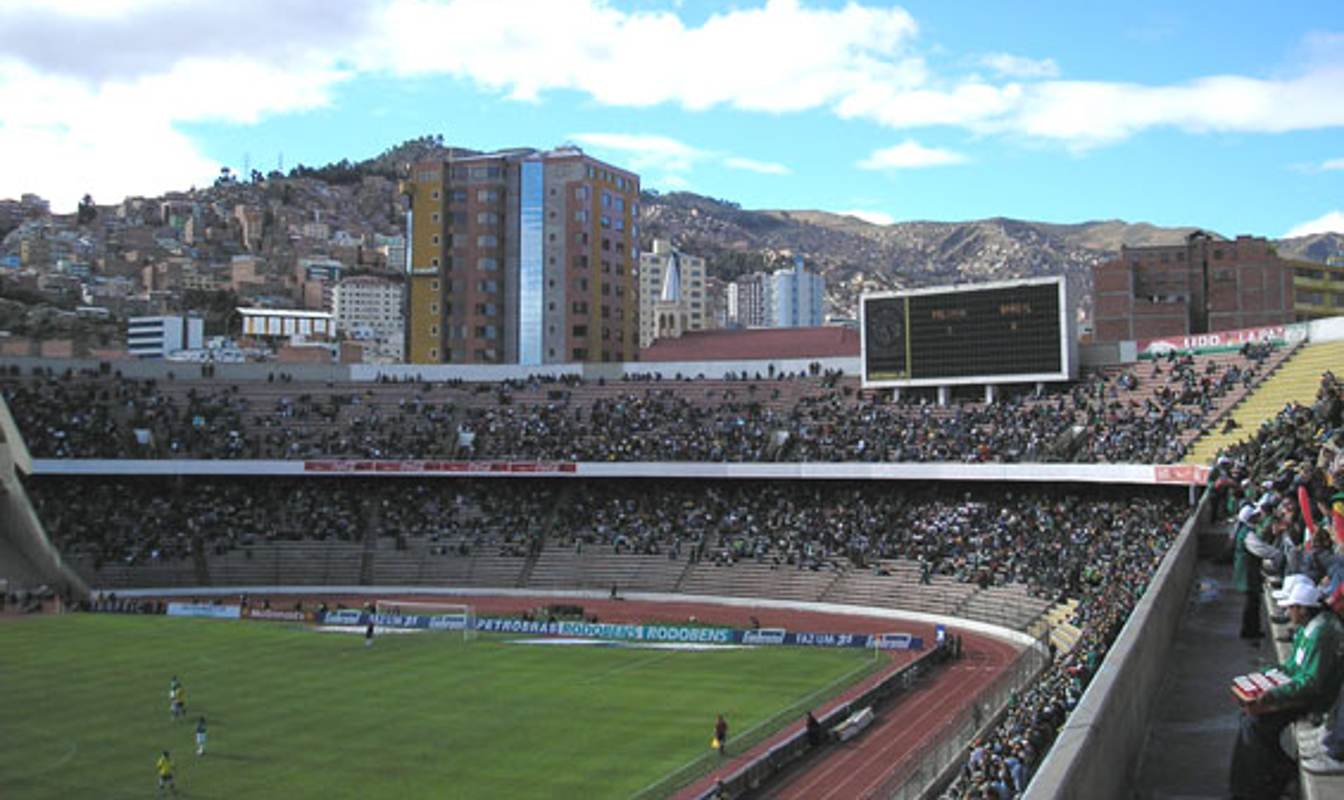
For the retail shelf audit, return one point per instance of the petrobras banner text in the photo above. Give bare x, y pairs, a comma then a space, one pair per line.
530, 627
203, 610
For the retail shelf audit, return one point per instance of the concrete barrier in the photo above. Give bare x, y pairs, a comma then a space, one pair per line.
27, 557
1103, 737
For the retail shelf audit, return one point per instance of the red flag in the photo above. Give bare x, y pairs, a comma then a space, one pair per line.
1304, 503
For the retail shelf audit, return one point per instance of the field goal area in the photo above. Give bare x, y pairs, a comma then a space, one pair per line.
442, 616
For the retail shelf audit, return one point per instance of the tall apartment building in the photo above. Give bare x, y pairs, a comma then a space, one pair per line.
794, 299
370, 309
1201, 285
522, 257
785, 298
672, 293
747, 300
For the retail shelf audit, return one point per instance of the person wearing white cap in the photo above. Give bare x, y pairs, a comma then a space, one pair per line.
1315, 670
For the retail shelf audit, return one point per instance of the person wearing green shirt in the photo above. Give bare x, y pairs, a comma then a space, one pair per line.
1315, 668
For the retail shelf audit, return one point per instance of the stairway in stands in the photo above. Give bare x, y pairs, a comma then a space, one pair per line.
1296, 380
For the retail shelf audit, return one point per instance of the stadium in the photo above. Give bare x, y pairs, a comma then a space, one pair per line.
966, 553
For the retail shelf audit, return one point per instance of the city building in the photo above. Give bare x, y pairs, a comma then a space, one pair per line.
156, 337
393, 250
369, 310
794, 297
287, 323
785, 298
1318, 289
747, 301
316, 277
1203, 284
672, 296
522, 257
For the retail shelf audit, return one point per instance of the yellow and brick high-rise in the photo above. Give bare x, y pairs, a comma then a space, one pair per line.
522, 257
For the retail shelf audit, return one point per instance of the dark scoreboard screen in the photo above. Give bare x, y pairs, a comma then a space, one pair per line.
1004, 331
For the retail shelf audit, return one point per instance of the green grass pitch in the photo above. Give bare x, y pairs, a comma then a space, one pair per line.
296, 714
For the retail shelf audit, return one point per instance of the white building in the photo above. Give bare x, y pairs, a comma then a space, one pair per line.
794, 297
156, 337
672, 298
372, 310
273, 323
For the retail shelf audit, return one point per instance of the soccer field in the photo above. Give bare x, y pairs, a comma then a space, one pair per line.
297, 714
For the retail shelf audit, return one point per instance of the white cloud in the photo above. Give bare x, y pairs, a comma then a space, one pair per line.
1011, 66
673, 182
652, 152
875, 217
103, 117
1331, 164
910, 155
645, 151
1088, 113
752, 165
1331, 222
104, 86
781, 56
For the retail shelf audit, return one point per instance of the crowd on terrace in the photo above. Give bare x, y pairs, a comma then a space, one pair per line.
1283, 493
1059, 544
1142, 413
146, 520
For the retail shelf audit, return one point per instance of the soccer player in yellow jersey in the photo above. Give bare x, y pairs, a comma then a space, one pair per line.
179, 707
165, 767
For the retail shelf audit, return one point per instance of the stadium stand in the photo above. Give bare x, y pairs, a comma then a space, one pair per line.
1144, 413
1294, 380
1071, 560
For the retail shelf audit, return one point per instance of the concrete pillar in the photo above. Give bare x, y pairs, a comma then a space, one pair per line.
989, 393
944, 395
1040, 388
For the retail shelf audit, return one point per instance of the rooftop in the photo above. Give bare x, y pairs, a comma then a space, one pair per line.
755, 343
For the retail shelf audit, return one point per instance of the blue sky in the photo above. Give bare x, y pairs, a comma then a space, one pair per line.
1227, 115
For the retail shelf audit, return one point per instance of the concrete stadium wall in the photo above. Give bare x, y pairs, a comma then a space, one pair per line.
1103, 737
1017, 638
27, 557
1136, 474
486, 373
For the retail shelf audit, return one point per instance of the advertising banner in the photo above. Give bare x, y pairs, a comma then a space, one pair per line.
278, 616
636, 633
416, 467
1220, 340
203, 610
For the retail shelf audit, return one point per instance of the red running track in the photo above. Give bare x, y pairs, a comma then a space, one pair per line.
859, 767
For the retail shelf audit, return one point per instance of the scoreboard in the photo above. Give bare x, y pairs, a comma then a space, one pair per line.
1004, 332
